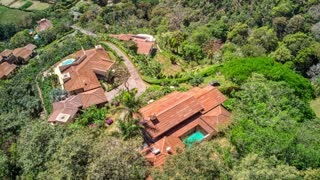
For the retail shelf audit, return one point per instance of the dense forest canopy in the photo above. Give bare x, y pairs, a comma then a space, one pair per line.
266, 54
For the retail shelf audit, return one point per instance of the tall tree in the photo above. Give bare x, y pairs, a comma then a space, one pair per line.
257, 167
207, 160
113, 158
36, 146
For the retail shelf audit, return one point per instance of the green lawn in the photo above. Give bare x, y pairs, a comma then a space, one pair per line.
315, 105
8, 15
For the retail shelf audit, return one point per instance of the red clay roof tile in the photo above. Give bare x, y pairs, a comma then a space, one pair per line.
169, 111
72, 104
24, 52
83, 75
173, 116
6, 53
144, 46
167, 146
43, 24
6, 69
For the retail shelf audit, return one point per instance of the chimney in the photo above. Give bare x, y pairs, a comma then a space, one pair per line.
99, 47
168, 150
153, 116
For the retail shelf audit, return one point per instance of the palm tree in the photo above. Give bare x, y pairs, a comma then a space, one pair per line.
129, 114
130, 106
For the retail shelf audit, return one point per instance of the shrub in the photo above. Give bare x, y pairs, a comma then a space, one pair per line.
26, 5
239, 70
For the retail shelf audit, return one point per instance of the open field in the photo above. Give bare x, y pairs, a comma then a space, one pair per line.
168, 68
6, 2
36, 5
17, 4
315, 105
8, 15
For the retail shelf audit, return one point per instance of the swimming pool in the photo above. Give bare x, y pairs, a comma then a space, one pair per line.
195, 137
67, 62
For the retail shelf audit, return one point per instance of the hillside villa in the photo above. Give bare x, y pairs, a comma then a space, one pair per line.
179, 119
9, 59
145, 43
65, 111
79, 75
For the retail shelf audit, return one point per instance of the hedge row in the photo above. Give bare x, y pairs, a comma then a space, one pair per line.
185, 77
26, 5
107, 48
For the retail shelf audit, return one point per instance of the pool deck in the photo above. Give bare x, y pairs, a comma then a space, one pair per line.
58, 73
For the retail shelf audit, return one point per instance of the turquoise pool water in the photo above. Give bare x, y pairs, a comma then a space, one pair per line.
67, 62
195, 137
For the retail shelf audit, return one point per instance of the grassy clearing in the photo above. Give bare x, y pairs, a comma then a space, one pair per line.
8, 15
17, 4
168, 68
315, 105
6, 2
37, 5
224, 84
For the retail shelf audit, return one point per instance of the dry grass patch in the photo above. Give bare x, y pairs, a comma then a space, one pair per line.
6, 2
17, 4
37, 5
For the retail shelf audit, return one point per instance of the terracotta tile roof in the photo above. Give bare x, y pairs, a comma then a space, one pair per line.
74, 103
209, 97
70, 106
166, 146
217, 118
83, 75
1, 58
6, 53
43, 24
6, 69
93, 97
144, 46
183, 128
24, 52
122, 37
172, 118
30, 46
169, 111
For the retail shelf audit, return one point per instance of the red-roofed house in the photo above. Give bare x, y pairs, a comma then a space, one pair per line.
24, 53
6, 53
181, 118
145, 43
82, 75
43, 24
65, 111
6, 69
80, 79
